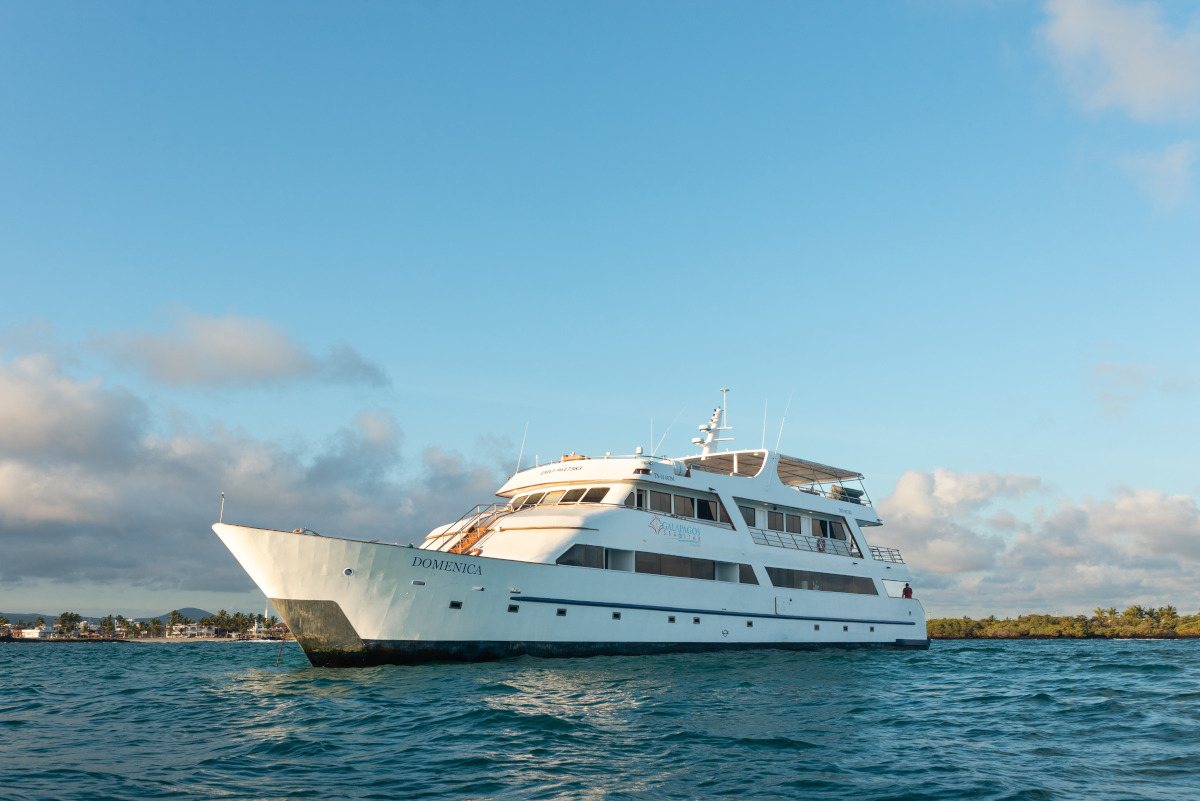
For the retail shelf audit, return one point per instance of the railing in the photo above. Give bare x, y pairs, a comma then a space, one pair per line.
886, 555
470, 528
800, 542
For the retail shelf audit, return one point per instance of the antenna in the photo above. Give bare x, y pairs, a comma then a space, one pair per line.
712, 428
522, 453
785, 411
668, 431
764, 442
221, 519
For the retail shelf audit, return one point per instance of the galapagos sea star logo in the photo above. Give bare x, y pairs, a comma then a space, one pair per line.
675, 530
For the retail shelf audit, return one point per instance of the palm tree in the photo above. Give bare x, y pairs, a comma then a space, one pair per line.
1167, 612
1100, 612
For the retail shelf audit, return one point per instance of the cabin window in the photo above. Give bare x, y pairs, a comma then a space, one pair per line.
775, 521
669, 565
636, 499
724, 514
824, 582
793, 524
820, 528
631, 499
594, 495
551, 498
746, 575
685, 506
747, 514
534, 499
660, 501
573, 496
837, 530
706, 510
519, 502
582, 556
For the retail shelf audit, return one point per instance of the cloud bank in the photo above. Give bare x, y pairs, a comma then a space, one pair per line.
207, 351
90, 492
971, 555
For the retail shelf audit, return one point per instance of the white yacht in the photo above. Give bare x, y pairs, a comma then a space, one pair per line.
733, 549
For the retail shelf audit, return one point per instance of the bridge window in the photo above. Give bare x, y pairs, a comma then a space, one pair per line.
775, 521
594, 495
573, 496
552, 498
705, 509
747, 514
685, 506
669, 565
746, 575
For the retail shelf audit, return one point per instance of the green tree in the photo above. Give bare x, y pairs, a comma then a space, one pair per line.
157, 629
1135, 612
68, 622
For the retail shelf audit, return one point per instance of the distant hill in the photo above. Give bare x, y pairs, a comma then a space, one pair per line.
29, 617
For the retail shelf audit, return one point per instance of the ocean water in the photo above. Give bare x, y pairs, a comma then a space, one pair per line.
964, 720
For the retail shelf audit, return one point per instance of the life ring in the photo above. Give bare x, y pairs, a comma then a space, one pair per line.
821, 544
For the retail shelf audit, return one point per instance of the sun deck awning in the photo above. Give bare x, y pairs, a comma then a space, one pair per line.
798, 472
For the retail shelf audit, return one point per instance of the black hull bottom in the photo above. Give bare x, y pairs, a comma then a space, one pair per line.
413, 652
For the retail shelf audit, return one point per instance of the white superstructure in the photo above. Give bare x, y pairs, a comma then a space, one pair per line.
609, 555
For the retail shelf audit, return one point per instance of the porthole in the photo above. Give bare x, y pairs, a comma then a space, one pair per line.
695, 620
513, 608
670, 618
616, 615
456, 604
562, 613
816, 627
872, 628
749, 624
348, 571
845, 628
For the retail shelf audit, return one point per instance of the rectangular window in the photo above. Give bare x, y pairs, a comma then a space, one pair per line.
824, 582
561, 613
724, 514
793, 524
551, 498
706, 510
582, 556
595, 495
775, 521
572, 496
646, 562
747, 515
660, 501
820, 528
670, 618
837, 530
684, 506
513, 608
746, 575
616, 615
456, 604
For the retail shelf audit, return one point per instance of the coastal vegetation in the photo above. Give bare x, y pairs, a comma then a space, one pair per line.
1141, 622
222, 624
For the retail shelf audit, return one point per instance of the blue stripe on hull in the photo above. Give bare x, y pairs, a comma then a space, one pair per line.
687, 610
412, 652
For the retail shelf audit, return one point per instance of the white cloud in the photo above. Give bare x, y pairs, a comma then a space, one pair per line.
230, 350
1139, 546
1118, 385
1124, 56
1165, 176
88, 491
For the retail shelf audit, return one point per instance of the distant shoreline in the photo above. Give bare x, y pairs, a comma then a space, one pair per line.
94, 640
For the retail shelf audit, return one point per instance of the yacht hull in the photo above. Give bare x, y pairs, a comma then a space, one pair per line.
351, 603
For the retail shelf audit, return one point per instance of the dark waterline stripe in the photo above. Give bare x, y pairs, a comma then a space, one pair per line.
616, 605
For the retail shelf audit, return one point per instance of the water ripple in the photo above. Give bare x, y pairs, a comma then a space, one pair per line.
965, 720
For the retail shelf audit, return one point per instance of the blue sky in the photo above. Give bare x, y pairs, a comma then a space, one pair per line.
961, 236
